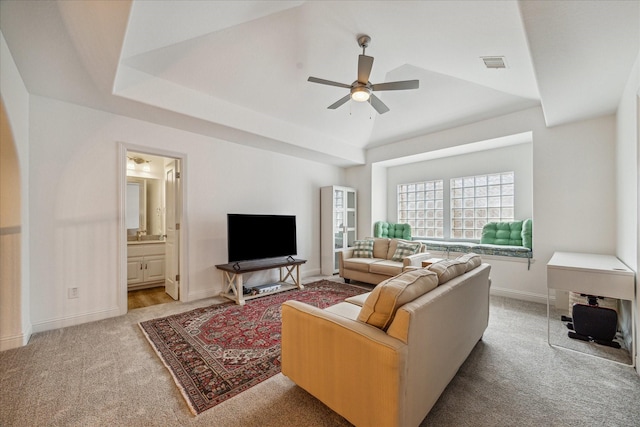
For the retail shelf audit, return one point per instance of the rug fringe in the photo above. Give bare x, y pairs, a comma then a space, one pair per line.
175, 380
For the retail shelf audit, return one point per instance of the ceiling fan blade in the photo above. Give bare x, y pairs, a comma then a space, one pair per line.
328, 82
406, 84
339, 102
380, 107
364, 68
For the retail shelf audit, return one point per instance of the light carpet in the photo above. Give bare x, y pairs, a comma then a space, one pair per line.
105, 374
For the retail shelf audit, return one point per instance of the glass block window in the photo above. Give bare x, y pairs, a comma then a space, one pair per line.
421, 205
476, 200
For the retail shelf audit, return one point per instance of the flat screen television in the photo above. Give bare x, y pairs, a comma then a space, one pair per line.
251, 237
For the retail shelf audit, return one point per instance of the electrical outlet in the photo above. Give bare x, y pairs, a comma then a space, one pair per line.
72, 292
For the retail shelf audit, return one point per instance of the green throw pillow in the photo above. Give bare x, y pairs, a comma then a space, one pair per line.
403, 250
527, 233
363, 249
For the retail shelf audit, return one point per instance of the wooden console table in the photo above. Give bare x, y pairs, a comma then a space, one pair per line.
233, 271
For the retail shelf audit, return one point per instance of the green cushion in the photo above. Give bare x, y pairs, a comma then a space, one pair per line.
392, 230
502, 233
527, 233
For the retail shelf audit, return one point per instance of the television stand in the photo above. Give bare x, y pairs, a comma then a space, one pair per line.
233, 271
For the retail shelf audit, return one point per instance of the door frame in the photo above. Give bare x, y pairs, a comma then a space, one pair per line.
123, 148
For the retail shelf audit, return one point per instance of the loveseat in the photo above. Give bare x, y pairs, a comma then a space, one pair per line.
383, 358
373, 260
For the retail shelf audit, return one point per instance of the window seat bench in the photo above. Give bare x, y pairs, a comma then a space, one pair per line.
509, 239
478, 248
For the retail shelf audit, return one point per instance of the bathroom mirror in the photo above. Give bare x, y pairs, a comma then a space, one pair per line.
144, 206
135, 205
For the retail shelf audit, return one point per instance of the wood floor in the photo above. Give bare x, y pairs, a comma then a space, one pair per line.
147, 297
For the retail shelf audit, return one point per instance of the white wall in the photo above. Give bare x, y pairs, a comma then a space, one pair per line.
627, 175
363, 179
75, 205
573, 188
16, 101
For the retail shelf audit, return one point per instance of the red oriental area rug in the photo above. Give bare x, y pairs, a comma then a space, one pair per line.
216, 352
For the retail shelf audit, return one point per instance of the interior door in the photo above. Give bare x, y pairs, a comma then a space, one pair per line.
172, 245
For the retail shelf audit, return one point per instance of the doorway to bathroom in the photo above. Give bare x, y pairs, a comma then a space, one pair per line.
153, 207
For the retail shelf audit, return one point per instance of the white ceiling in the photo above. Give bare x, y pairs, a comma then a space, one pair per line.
238, 70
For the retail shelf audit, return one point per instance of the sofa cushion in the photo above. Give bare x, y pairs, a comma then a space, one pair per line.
380, 306
399, 249
344, 309
471, 260
363, 249
358, 299
386, 267
380, 247
359, 264
448, 269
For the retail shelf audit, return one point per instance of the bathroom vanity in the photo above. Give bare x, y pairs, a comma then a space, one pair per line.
145, 264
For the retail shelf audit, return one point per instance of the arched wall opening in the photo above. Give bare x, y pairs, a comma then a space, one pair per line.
10, 238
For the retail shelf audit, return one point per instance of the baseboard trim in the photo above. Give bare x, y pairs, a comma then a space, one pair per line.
77, 319
521, 295
208, 293
309, 273
14, 341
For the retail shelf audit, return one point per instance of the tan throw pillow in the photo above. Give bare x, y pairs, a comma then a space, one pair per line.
471, 260
380, 306
380, 247
448, 269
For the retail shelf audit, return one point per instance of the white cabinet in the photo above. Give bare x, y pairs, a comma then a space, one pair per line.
338, 207
145, 265
135, 270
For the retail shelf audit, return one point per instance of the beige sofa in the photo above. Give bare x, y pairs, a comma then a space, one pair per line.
379, 370
381, 265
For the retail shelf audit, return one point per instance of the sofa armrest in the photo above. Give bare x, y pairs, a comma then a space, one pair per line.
342, 255
354, 368
346, 254
415, 260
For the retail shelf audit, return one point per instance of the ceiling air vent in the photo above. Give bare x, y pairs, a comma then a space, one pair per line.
494, 61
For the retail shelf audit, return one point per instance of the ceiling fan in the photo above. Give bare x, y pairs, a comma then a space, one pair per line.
360, 90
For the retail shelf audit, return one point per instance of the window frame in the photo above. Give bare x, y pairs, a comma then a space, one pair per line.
476, 200
503, 194
426, 222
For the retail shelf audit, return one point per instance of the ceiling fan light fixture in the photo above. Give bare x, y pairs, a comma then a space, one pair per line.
361, 89
360, 94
